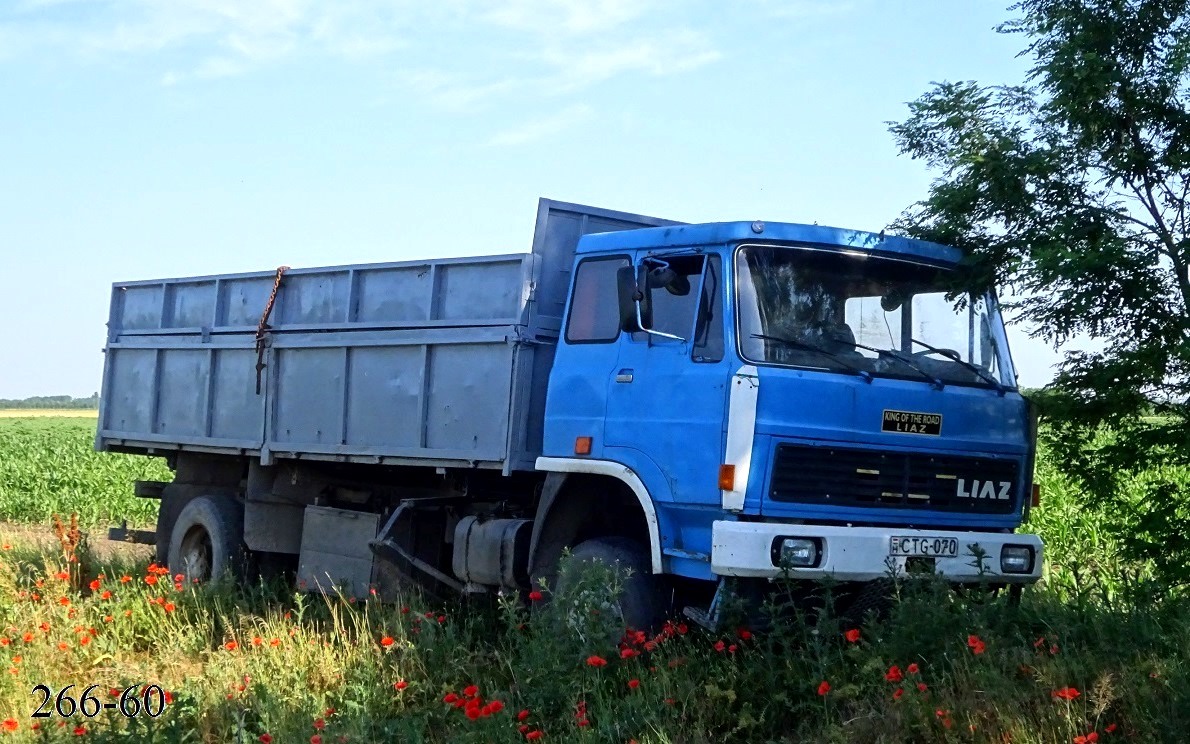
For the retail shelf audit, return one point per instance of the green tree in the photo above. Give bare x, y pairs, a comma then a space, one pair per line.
1071, 189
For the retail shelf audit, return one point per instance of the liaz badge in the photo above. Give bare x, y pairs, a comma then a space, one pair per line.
908, 422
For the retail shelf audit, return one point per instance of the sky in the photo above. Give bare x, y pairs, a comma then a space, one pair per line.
145, 139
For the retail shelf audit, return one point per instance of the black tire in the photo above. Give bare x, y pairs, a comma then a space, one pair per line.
642, 605
207, 539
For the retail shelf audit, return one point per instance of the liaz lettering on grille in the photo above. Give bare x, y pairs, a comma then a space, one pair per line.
857, 477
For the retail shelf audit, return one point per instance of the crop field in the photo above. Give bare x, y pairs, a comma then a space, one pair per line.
1082, 659
48, 413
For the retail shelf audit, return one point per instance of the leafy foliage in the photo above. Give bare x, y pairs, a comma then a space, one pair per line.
1071, 189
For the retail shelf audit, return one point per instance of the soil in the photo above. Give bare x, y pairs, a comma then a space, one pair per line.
42, 536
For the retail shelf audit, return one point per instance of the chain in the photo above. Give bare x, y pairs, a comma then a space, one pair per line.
262, 329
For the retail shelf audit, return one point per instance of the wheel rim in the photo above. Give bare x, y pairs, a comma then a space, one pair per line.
197, 554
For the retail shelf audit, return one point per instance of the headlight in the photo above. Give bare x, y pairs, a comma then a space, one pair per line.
797, 552
1016, 559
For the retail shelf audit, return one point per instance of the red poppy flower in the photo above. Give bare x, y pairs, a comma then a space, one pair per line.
534, 595
471, 690
400, 684
10, 724
493, 707
106, 595
275, 642
266, 739
720, 646
151, 580
894, 674
921, 687
1066, 693
62, 575
976, 644
744, 634
386, 641
533, 735
473, 713
1109, 728
596, 661
633, 683
628, 653
912, 668
316, 739
824, 687
450, 697
852, 635
80, 730
523, 715
319, 724
94, 585
899, 693
232, 646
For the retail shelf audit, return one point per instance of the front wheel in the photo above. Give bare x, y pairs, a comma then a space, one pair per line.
641, 603
207, 539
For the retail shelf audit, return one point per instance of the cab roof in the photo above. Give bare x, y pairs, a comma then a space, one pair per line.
721, 233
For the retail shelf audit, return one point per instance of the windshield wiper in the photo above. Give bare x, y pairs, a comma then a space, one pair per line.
803, 346
954, 357
934, 381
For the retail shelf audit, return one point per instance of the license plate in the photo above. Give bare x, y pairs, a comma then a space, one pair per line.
926, 547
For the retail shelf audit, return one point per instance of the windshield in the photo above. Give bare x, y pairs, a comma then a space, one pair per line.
857, 313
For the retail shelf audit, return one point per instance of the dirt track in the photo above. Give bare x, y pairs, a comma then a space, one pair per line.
42, 536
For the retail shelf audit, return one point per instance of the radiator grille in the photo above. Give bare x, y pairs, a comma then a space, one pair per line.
927, 482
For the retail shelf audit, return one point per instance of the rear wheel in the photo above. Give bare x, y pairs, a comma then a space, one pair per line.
208, 539
641, 604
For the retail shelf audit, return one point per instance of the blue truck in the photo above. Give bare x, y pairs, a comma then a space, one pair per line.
707, 407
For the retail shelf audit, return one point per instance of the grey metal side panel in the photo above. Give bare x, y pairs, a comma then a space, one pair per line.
444, 360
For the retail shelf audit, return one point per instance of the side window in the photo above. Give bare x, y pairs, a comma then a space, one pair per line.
674, 313
708, 334
594, 307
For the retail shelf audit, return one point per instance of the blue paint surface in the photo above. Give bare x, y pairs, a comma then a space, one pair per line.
669, 423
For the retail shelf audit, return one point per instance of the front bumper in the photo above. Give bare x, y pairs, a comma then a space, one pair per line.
862, 553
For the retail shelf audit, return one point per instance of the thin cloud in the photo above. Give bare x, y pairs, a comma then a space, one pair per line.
538, 47
572, 17
540, 129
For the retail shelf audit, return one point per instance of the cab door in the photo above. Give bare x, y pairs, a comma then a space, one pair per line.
576, 402
667, 398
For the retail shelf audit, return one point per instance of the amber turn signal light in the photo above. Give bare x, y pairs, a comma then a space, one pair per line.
1036, 501
727, 477
582, 445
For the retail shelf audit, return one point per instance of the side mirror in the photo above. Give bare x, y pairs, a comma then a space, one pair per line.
636, 307
631, 289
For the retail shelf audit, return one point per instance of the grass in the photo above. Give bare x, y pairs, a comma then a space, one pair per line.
242, 663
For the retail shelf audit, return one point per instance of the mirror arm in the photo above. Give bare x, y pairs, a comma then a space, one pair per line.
640, 324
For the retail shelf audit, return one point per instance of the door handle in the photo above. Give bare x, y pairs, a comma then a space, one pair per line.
624, 375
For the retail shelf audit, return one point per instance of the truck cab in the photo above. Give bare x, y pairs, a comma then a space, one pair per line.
797, 401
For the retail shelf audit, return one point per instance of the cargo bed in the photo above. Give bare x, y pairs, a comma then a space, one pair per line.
437, 362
